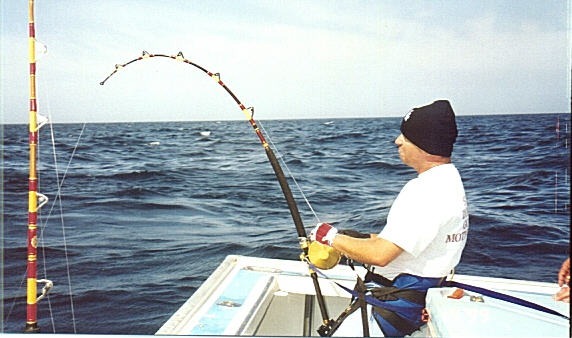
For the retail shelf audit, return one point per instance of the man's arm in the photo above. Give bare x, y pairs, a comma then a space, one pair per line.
564, 281
374, 250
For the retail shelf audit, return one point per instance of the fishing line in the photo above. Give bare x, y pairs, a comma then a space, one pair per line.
41, 237
59, 198
44, 262
288, 170
59, 185
15, 297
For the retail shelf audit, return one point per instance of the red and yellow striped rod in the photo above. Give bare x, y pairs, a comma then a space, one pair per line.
31, 311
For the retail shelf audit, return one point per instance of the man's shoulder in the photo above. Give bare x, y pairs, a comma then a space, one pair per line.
430, 190
441, 174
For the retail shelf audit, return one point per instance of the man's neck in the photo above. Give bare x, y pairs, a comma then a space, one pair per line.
432, 161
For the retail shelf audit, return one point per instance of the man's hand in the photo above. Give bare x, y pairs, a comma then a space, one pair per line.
563, 295
564, 273
324, 233
564, 282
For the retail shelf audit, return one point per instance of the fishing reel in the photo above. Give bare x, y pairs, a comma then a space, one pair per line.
323, 256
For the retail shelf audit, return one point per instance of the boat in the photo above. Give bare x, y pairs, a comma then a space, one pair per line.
251, 296
274, 297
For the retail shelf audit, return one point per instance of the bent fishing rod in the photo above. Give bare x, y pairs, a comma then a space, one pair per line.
249, 114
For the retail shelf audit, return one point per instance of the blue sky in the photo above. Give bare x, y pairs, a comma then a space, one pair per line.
288, 59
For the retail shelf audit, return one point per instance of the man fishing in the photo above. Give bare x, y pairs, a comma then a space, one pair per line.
426, 227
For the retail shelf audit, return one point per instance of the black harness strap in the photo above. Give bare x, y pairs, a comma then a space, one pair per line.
361, 296
379, 279
327, 332
388, 292
361, 289
395, 320
393, 293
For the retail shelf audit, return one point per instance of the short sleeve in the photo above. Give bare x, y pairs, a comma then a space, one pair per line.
411, 222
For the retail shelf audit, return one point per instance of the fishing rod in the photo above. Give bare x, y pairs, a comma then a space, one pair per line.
292, 206
31, 307
35, 199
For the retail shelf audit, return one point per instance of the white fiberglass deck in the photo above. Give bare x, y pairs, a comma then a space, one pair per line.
257, 296
271, 297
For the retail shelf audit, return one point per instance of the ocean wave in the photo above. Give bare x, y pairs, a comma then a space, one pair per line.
146, 225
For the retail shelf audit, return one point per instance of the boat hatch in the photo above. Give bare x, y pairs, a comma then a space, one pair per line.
474, 315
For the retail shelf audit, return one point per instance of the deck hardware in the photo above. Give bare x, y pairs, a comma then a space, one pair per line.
229, 303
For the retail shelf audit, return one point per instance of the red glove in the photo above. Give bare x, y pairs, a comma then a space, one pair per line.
324, 233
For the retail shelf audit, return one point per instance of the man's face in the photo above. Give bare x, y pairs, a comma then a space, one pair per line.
409, 153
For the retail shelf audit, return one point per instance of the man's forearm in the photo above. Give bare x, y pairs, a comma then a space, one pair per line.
374, 250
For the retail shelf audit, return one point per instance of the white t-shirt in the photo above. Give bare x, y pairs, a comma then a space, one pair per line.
429, 220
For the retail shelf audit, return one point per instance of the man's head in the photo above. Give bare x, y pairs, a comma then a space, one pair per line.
427, 134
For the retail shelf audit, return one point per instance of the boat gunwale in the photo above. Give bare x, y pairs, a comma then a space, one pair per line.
193, 305
286, 269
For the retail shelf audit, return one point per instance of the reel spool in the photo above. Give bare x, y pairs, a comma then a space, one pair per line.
323, 256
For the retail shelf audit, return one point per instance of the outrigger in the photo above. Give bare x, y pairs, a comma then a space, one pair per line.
35, 199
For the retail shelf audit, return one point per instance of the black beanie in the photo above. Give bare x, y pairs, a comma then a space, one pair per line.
431, 128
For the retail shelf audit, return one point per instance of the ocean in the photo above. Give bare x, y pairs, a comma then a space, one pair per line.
149, 210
